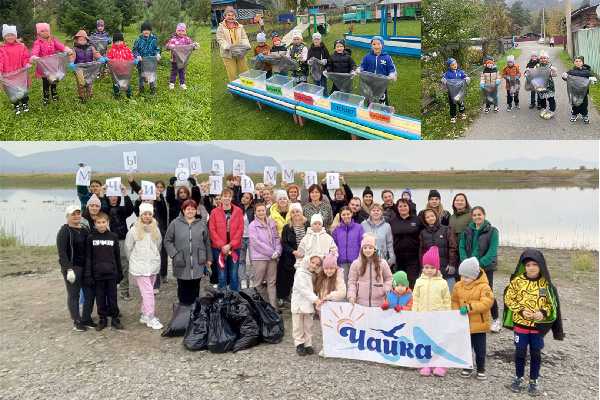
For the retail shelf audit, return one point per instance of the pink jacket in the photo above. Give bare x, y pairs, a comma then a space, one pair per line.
13, 57
178, 41
264, 240
44, 48
369, 289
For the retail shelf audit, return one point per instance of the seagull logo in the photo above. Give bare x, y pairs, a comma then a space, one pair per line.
391, 333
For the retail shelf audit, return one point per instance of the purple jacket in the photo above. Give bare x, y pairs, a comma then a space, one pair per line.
348, 238
264, 240
83, 54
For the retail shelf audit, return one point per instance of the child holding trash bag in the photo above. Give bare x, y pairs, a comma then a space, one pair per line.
380, 63
260, 50
85, 53
146, 46
318, 58
546, 97
579, 77
119, 51
143, 244
181, 46
14, 62
277, 48
341, 62
489, 83
298, 52
304, 300
455, 81
512, 76
46, 45
533, 61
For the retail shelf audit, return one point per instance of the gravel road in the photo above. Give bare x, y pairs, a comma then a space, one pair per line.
41, 358
525, 123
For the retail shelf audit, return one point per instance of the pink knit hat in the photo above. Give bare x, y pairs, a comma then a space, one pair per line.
94, 200
432, 257
42, 26
368, 238
330, 261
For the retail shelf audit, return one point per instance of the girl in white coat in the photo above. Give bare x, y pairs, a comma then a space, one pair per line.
143, 247
304, 300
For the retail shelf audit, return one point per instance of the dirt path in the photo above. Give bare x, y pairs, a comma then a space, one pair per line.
43, 359
527, 124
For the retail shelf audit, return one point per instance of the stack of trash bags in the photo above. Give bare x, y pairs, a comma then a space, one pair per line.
223, 320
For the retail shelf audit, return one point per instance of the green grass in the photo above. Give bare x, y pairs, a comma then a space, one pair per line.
237, 118
436, 122
7, 239
416, 179
175, 115
583, 262
594, 95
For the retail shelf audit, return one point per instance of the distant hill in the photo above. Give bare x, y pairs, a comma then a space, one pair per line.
541, 163
346, 166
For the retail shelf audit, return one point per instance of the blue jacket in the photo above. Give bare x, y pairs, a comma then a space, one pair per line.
404, 301
381, 64
146, 46
458, 74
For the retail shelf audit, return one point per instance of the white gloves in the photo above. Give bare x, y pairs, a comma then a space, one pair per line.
324, 61
593, 79
157, 56
564, 75
70, 276
274, 256
393, 76
468, 80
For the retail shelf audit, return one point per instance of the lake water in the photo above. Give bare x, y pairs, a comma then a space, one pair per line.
547, 217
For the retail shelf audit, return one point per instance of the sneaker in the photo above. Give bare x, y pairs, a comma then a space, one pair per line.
54, 97
509, 108
496, 109
102, 323
163, 279
45, 101
154, 323
116, 323
586, 120
125, 296
309, 350
79, 327
425, 371
463, 116
171, 86
517, 107
481, 376
573, 118
144, 319
89, 324
453, 120
439, 371
517, 384
17, 109
466, 373
539, 107
25, 107
496, 326
533, 388
550, 114
300, 350
156, 291
486, 110
183, 86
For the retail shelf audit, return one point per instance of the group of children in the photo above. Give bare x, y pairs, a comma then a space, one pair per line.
531, 301
14, 57
317, 56
543, 98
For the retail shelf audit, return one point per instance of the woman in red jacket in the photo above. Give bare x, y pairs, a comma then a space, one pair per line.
226, 227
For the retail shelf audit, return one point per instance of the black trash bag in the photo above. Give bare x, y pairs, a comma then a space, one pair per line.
456, 89
513, 84
343, 81
316, 69
269, 321
196, 335
373, 86
577, 89
221, 336
179, 321
537, 79
243, 319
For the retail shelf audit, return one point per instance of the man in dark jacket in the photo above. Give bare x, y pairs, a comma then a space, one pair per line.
118, 215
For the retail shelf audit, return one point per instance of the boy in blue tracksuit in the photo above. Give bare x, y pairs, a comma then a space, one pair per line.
453, 72
146, 45
379, 62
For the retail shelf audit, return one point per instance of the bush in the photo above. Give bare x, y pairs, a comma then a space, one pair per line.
583, 262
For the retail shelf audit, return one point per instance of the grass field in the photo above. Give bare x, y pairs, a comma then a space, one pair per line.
594, 95
236, 118
436, 123
170, 115
414, 179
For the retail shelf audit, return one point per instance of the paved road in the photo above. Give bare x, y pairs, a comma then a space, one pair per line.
527, 124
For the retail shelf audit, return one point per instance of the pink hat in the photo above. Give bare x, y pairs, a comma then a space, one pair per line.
94, 200
181, 27
42, 26
432, 257
330, 261
369, 239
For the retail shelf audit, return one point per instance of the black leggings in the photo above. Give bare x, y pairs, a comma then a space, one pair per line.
582, 108
454, 106
551, 103
511, 97
48, 88
188, 290
479, 347
490, 277
73, 300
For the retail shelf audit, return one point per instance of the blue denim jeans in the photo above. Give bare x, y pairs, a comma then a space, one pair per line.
229, 274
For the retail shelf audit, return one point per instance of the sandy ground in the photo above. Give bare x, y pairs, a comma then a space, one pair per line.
42, 358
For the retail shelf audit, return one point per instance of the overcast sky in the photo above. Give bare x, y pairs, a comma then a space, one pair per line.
434, 154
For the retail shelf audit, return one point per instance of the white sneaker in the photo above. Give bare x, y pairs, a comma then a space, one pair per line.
496, 326
243, 285
154, 323
321, 354
144, 319
171, 86
183, 86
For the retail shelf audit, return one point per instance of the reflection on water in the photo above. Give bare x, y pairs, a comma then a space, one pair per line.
557, 218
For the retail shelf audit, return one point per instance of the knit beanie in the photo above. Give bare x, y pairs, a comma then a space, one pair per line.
316, 35
434, 193
94, 200
378, 38
71, 209
400, 278
181, 27
316, 218
450, 61
146, 207
510, 58
296, 34
407, 190
432, 257
118, 37
295, 206
469, 268
146, 26
368, 239
8, 30
367, 191
281, 194
261, 37
42, 26
330, 261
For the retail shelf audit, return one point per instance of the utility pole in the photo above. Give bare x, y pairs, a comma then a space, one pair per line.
543, 25
568, 27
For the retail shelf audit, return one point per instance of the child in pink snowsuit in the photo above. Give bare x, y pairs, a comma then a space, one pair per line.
46, 45
178, 39
14, 56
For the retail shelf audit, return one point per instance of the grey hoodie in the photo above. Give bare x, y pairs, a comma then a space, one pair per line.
385, 239
189, 247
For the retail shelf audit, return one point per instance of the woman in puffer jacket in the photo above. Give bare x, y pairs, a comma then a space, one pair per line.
143, 244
